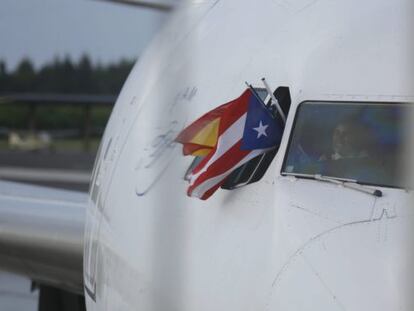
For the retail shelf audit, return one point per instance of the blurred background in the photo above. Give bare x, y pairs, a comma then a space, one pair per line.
62, 65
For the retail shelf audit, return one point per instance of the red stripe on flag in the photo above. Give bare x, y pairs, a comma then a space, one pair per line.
211, 191
227, 161
234, 110
204, 161
228, 114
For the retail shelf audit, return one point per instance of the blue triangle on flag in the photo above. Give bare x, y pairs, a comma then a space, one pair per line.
261, 130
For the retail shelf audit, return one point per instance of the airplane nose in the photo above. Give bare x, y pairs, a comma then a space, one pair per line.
361, 265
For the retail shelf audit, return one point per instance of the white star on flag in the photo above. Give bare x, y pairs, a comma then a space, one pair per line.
261, 130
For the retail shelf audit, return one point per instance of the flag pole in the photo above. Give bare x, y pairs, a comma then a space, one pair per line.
274, 100
255, 93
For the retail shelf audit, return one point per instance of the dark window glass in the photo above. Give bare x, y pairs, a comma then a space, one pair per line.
359, 141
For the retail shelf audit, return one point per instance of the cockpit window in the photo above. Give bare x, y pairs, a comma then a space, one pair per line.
358, 141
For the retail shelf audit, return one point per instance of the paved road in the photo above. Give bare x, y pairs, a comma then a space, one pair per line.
57, 178
44, 159
60, 170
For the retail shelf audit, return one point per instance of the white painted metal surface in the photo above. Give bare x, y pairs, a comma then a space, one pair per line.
282, 243
41, 234
161, 5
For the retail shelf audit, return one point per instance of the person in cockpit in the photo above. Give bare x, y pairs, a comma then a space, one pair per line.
348, 142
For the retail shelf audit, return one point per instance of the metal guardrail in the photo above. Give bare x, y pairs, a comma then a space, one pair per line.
86, 101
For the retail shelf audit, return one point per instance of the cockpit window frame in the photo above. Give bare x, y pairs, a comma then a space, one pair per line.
294, 123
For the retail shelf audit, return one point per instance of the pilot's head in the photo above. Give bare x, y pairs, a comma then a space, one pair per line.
345, 142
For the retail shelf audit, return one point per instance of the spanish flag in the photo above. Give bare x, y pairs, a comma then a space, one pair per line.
200, 137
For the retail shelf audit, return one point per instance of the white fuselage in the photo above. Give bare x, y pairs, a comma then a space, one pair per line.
282, 243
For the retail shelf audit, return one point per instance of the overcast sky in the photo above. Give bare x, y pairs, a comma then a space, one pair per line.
43, 29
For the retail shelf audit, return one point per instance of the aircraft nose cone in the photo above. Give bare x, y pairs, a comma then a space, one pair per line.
355, 266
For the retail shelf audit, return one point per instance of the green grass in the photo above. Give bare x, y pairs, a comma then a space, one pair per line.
16, 116
64, 145
4, 144
75, 144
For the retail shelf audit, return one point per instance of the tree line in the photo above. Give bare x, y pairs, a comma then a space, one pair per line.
65, 76
62, 75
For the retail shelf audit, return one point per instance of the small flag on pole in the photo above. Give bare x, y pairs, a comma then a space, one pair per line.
228, 137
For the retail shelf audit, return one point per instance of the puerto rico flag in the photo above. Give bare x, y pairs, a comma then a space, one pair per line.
228, 137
